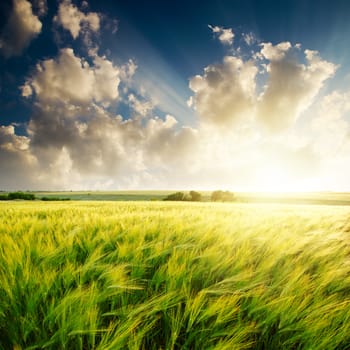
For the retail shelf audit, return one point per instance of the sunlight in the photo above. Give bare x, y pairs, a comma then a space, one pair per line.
275, 178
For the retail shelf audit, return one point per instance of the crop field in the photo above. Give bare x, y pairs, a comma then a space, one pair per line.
107, 195
164, 275
327, 198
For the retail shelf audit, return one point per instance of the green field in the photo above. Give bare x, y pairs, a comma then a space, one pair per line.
161, 275
106, 195
318, 198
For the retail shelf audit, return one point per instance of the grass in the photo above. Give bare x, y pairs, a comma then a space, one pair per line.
107, 195
318, 198
155, 275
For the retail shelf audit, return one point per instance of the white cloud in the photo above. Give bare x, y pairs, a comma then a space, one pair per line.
22, 27
296, 155
75, 21
107, 79
331, 125
10, 141
225, 93
225, 36
26, 90
74, 141
277, 52
249, 38
142, 108
291, 86
90, 145
70, 79
18, 170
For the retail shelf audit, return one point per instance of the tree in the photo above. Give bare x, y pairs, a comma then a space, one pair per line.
222, 196
177, 196
195, 196
216, 196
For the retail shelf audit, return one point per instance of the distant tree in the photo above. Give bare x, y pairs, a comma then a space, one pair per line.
195, 196
222, 196
47, 199
21, 195
177, 196
216, 196
228, 196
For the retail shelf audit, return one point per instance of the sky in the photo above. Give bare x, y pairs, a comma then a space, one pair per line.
249, 95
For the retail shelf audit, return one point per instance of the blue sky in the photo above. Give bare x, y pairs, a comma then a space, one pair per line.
243, 95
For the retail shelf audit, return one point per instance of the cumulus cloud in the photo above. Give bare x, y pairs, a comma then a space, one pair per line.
291, 86
10, 141
224, 35
225, 92
141, 108
22, 27
277, 52
71, 79
75, 141
17, 160
92, 144
241, 98
166, 144
75, 21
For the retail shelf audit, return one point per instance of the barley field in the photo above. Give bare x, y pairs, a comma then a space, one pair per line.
161, 275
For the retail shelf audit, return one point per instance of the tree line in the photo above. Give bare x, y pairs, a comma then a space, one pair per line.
194, 196
191, 196
27, 197
17, 195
